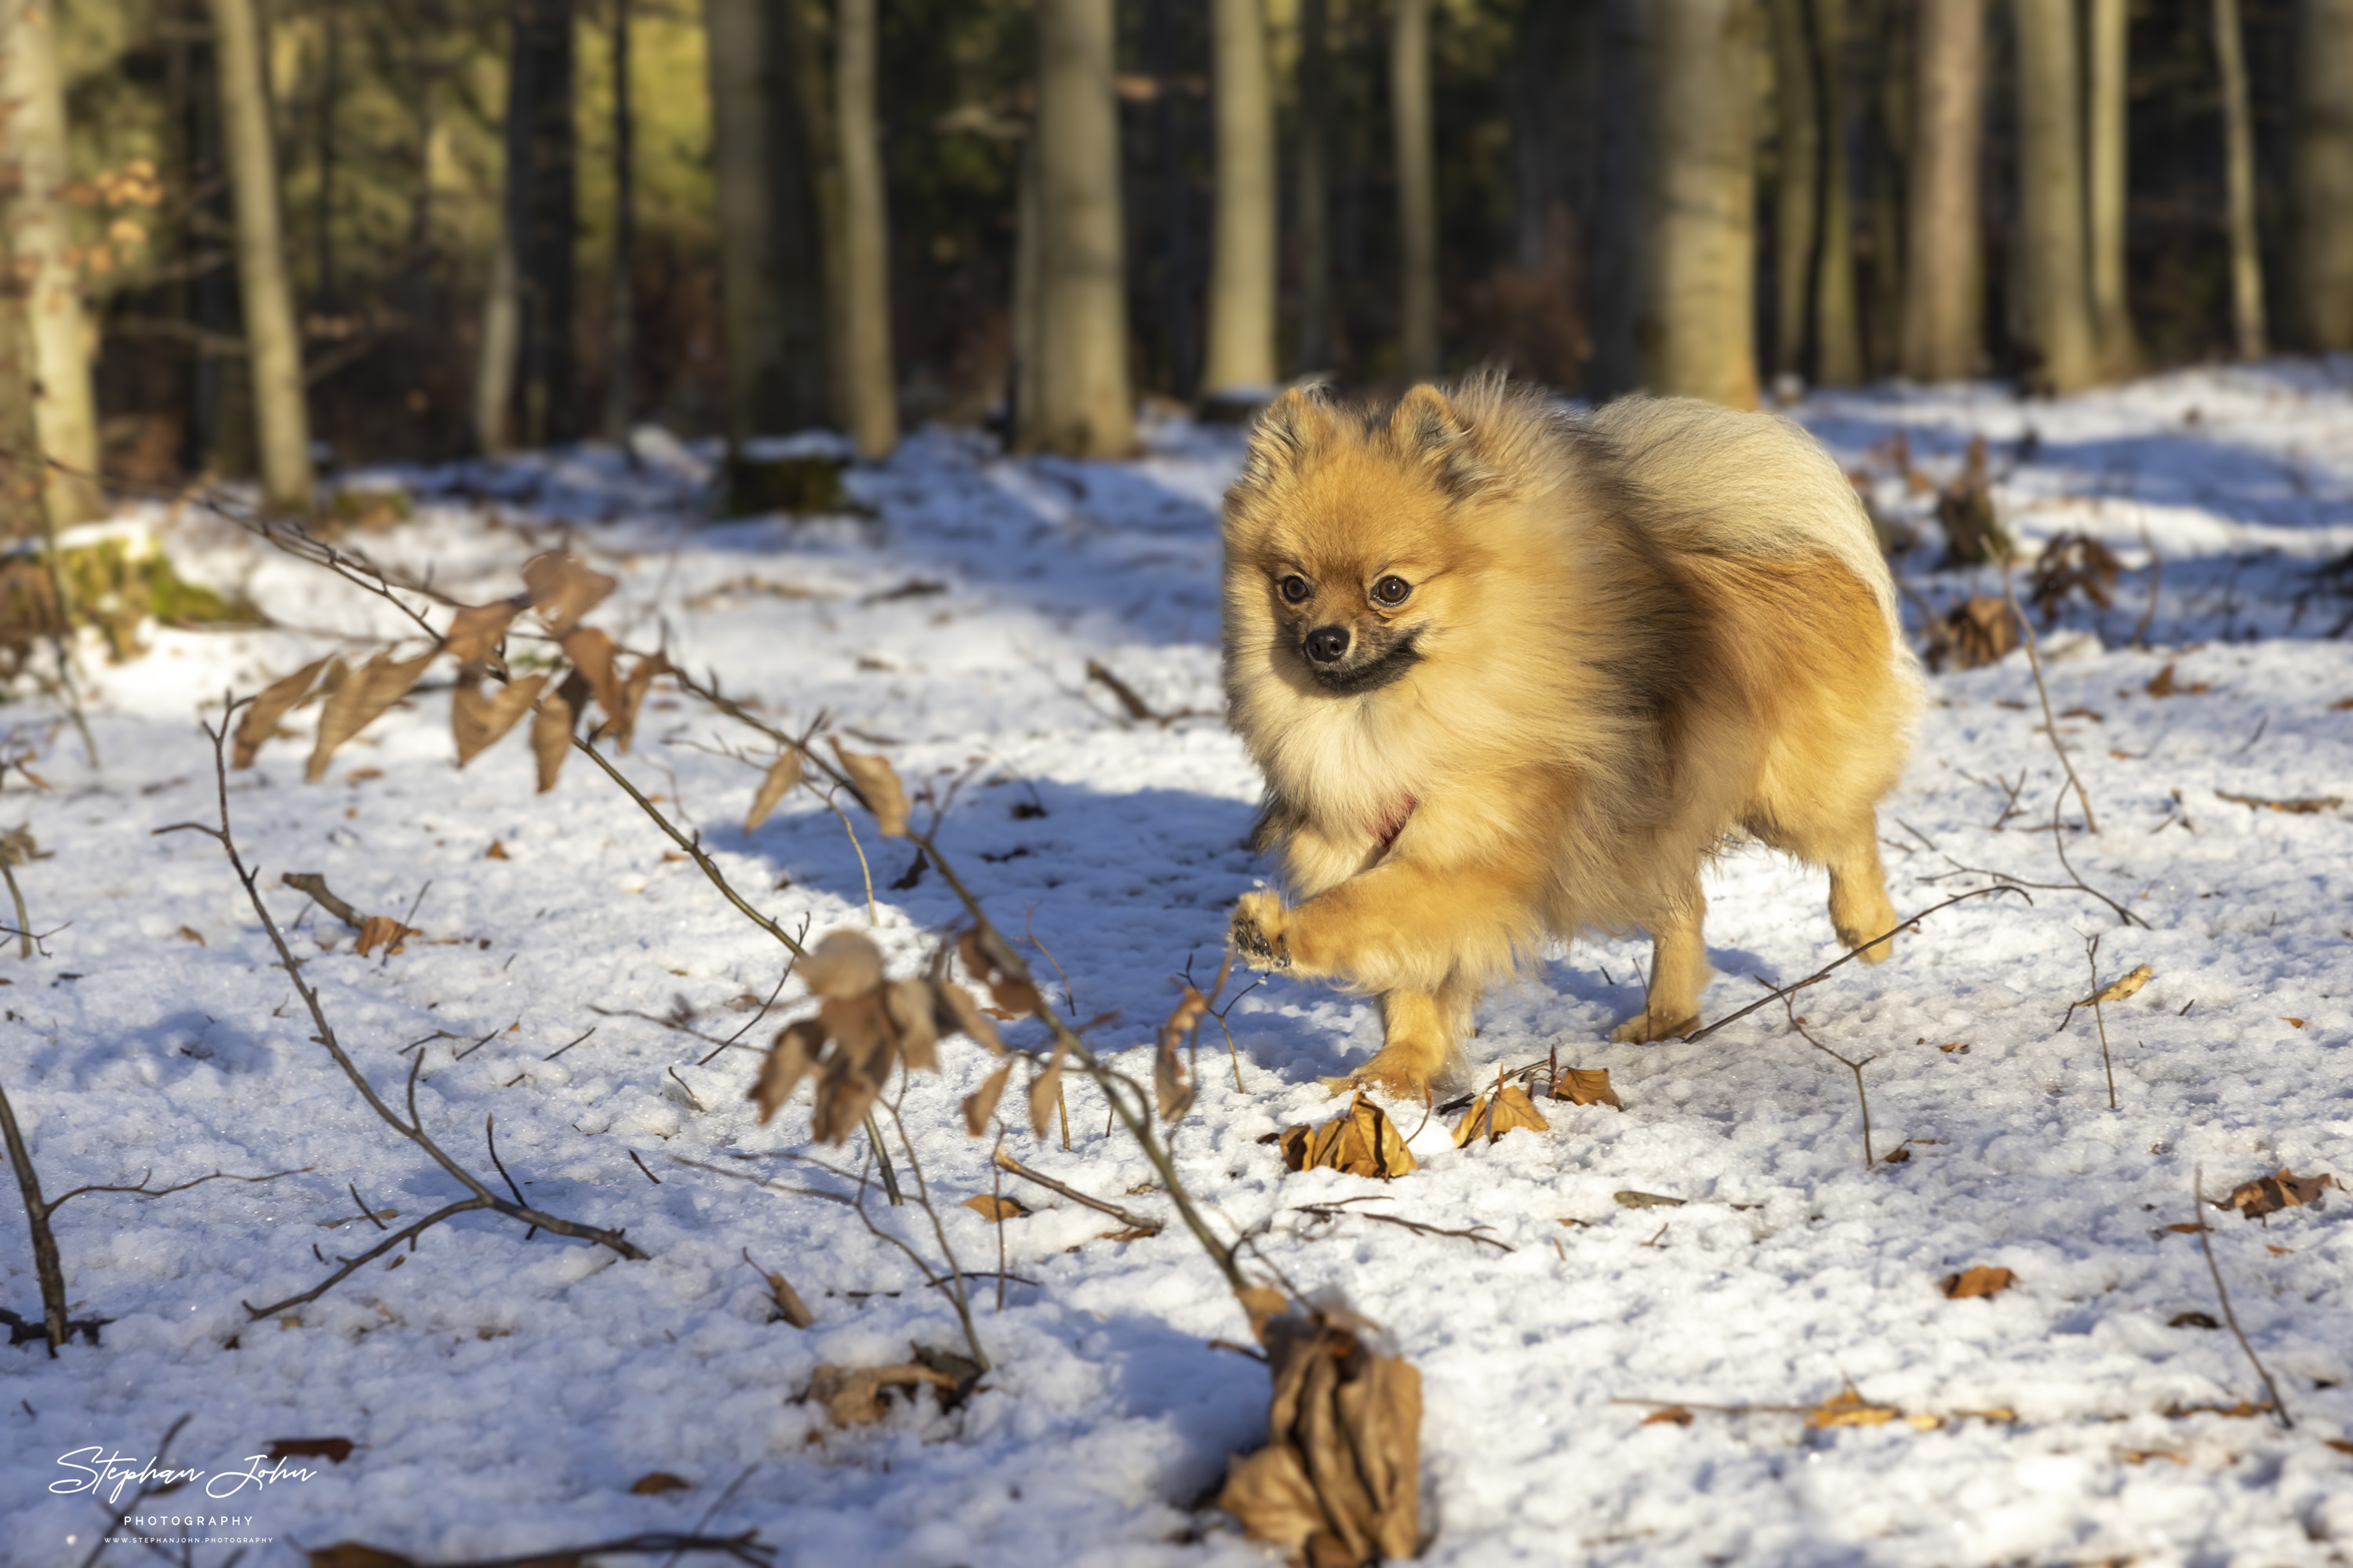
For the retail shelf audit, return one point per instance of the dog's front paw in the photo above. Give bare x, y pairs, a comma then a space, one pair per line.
1257, 932
1646, 1026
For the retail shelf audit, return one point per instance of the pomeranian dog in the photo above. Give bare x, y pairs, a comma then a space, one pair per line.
1514, 673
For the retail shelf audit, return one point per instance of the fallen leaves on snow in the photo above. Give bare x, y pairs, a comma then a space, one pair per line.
2281, 1190
1981, 1280
1359, 1141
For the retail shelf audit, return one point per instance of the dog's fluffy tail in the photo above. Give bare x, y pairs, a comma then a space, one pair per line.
1741, 483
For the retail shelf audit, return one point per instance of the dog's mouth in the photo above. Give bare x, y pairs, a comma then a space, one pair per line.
1349, 679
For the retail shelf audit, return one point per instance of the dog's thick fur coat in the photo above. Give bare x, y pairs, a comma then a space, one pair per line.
1513, 674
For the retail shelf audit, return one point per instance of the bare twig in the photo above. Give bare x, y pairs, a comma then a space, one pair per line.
2091, 958
1849, 957
1135, 1222
1333, 1211
1850, 1065
2206, 1240
2049, 723
24, 916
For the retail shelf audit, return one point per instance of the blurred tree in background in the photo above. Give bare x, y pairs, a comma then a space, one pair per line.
870, 214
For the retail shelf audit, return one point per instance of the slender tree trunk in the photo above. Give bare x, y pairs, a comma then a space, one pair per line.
1698, 332
2238, 183
1028, 277
805, 22
330, 87
273, 347
1890, 144
22, 512
494, 371
2106, 136
1177, 301
1944, 277
1084, 408
866, 277
771, 293
543, 146
1420, 354
2320, 176
1838, 326
1314, 196
1240, 356
2051, 197
39, 243
620, 319
1624, 158
1798, 183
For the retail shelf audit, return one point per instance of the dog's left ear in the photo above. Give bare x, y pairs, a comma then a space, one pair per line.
1428, 431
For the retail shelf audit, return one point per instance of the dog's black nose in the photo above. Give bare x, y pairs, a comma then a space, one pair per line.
1325, 644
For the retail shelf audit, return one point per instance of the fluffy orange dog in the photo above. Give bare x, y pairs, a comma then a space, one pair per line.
1514, 674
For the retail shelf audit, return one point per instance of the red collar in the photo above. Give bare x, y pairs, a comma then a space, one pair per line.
1387, 829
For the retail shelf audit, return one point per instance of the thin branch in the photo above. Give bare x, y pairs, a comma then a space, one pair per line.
1853, 1066
2206, 1240
145, 1191
1333, 1212
1135, 1222
353, 1265
2049, 723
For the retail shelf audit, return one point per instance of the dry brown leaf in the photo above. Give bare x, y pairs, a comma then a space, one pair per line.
790, 1307
787, 1061
564, 588
383, 931
852, 1396
1512, 1108
1260, 1302
551, 735
2291, 1023
2299, 808
981, 1104
623, 725
1674, 1413
1046, 1092
478, 722
1977, 631
1629, 1198
2121, 990
1895, 1156
2343, 1445
190, 934
1585, 1087
591, 652
2186, 1228
991, 1207
1172, 1083
496, 852
2270, 1194
878, 781
1957, 1048
782, 775
956, 1012
655, 1483
1981, 1280
474, 632
1360, 1141
366, 692
1848, 1408
987, 961
916, 1018
268, 706
844, 964
1339, 1479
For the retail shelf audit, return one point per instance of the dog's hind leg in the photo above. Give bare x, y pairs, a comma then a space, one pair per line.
1859, 905
1679, 973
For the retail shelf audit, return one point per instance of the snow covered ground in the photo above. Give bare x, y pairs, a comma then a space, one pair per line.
504, 1394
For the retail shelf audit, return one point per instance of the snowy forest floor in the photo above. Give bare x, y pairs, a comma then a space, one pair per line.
502, 1394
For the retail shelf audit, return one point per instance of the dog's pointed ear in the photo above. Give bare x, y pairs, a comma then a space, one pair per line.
1289, 431
1428, 430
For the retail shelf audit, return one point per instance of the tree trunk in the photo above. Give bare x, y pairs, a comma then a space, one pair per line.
865, 305
494, 371
1084, 405
1028, 275
1838, 327
1624, 156
1698, 334
2107, 133
2050, 198
542, 159
1314, 196
273, 348
330, 89
805, 22
2321, 177
620, 316
1797, 186
1416, 177
770, 297
22, 512
1944, 277
2238, 183
1179, 331
39, 243
1241, 358
1890, 144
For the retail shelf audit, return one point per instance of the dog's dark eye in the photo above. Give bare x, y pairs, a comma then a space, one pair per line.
1294, 588
1392, 590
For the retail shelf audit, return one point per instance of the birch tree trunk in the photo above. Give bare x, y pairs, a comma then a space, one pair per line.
2105, 139
1698, 331
1416, 177
2051, 197
1838, 327
2238, 183
770, 289
1797, 186
64, 413
2320, 263
273, 347
1239, 363
1944, 277
871, 384
1314, 348
1083, 406
494, 370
